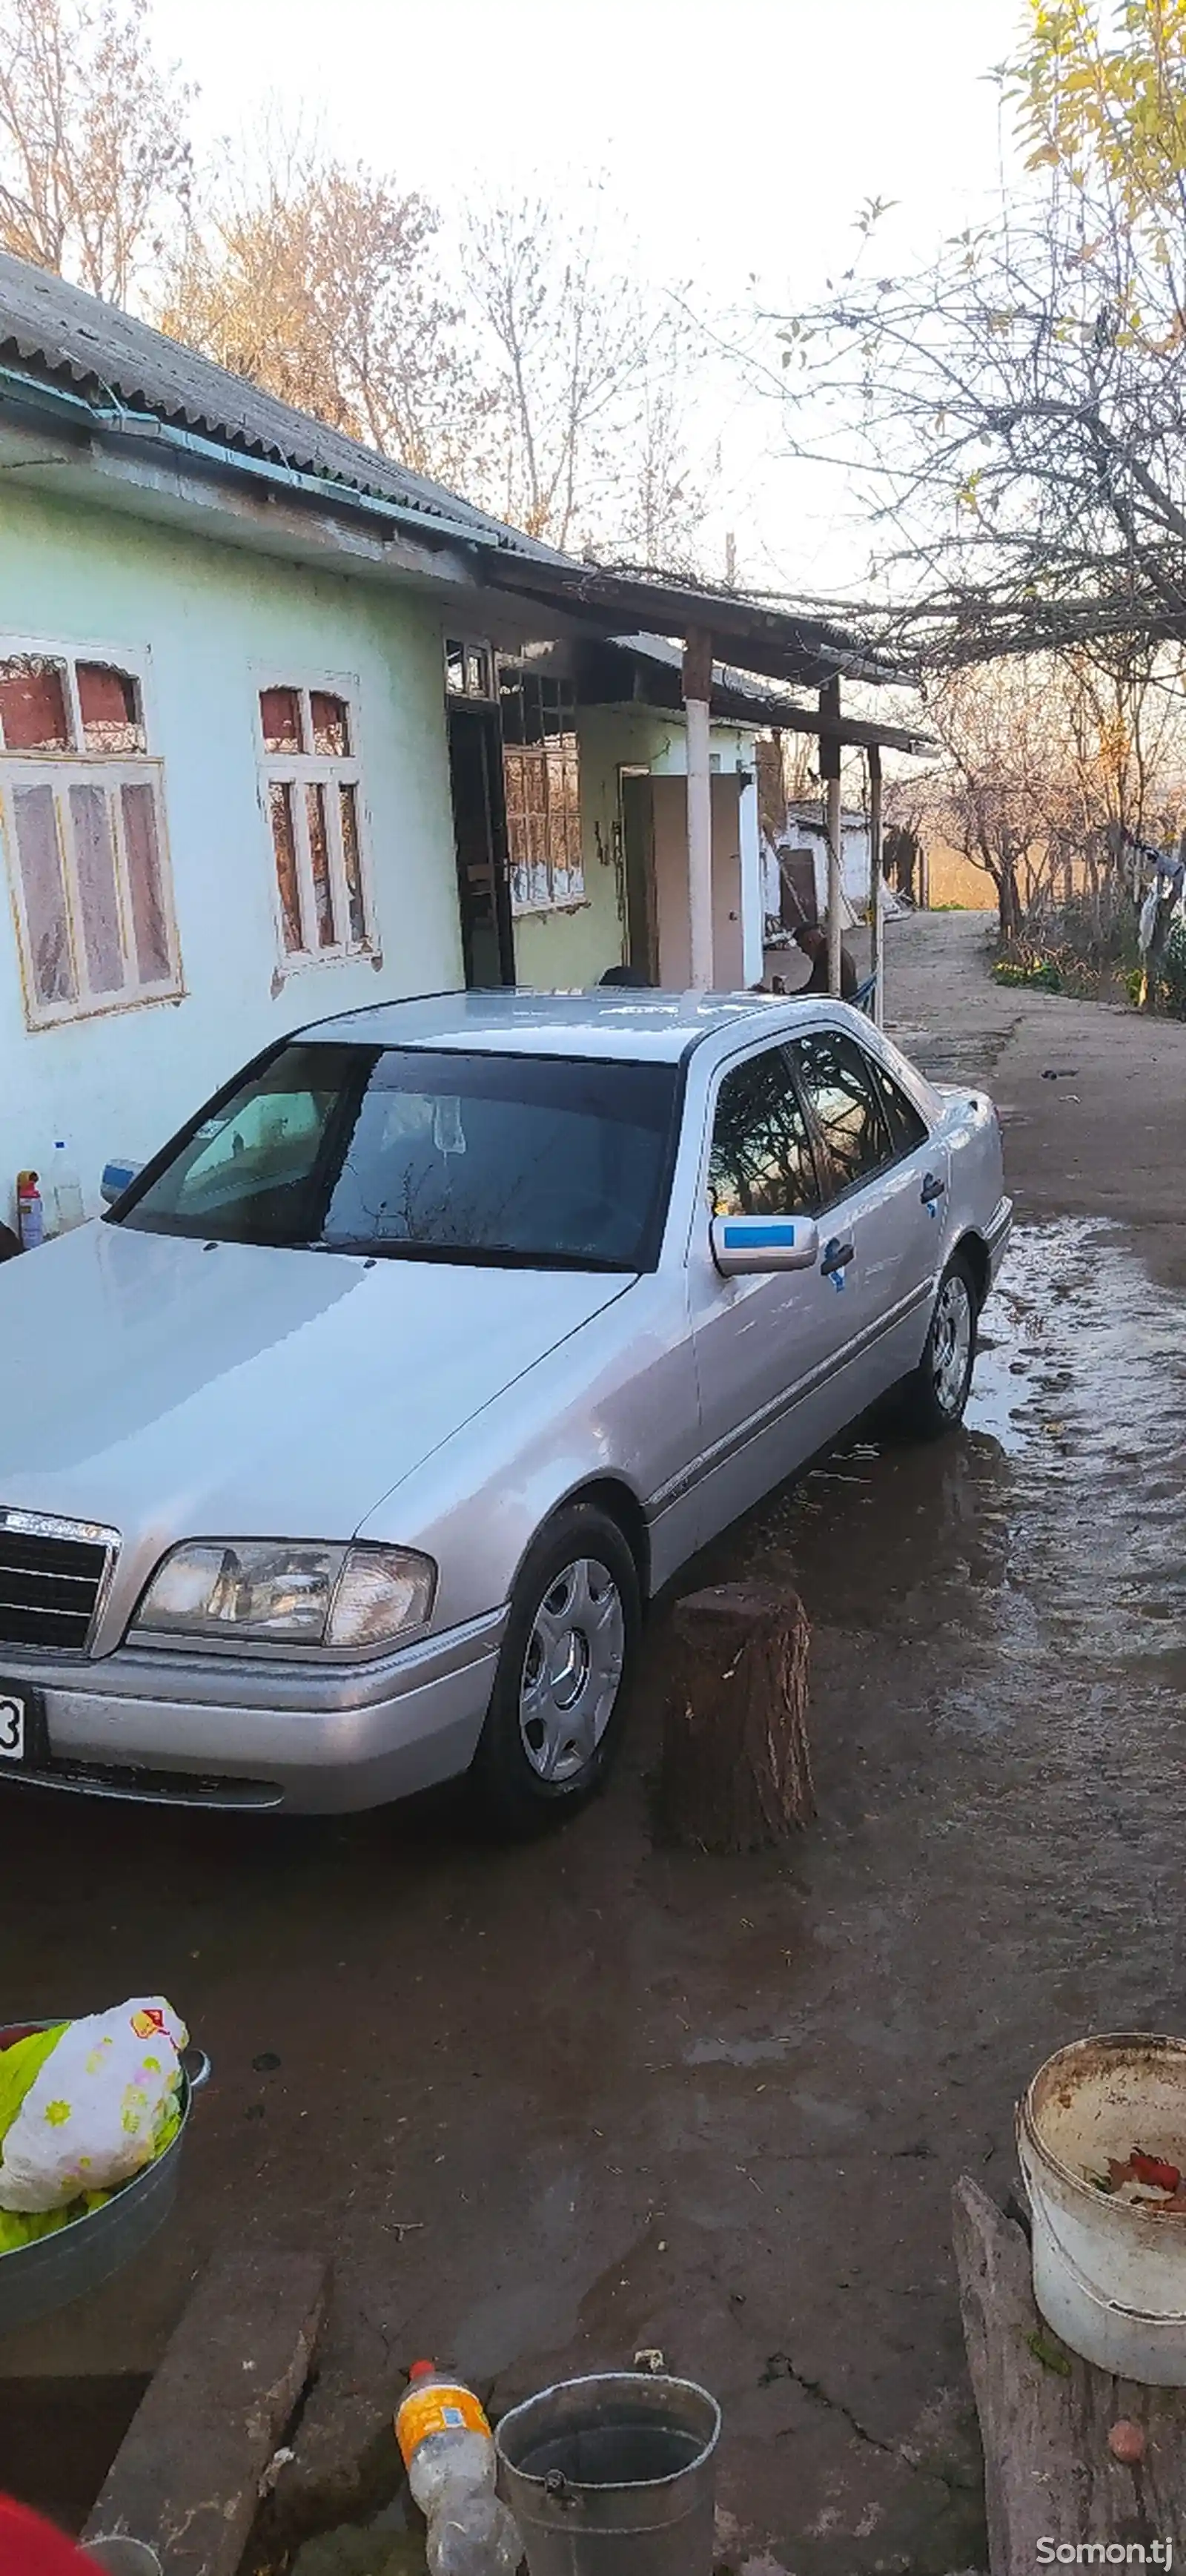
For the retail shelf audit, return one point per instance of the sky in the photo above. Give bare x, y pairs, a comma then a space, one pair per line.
730, 141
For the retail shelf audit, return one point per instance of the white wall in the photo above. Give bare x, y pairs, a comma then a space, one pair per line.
209, 619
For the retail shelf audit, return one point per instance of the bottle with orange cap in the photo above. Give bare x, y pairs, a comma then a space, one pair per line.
448, 2452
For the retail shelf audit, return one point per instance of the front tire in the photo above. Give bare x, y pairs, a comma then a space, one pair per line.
935, 1395
554, 1719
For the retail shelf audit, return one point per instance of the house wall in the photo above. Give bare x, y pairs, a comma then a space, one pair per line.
571, 949
208, 621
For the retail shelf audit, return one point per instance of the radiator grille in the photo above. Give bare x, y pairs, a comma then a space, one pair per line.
53, 1576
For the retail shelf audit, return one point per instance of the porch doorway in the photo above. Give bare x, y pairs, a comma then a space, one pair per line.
669, 826
479, 831
636, 809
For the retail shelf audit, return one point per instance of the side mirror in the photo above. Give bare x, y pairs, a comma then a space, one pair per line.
117, 1177
743, 1245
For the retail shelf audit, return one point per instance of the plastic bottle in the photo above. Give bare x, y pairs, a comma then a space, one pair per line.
66, 1190
30, 1211
448, 2452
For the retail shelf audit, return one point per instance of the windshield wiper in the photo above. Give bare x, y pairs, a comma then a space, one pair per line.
497, 1256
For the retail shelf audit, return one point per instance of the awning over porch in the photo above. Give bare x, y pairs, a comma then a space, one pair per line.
673, 654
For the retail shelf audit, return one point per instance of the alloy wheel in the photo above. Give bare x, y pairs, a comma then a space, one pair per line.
951, 1342
572, 1670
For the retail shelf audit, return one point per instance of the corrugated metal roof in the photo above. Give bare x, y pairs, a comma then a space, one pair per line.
71, 341
109, 356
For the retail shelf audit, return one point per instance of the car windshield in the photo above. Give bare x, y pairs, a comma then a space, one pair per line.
545, 1162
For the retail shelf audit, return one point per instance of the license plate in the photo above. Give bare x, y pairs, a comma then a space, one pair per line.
14, 1713
23, 1733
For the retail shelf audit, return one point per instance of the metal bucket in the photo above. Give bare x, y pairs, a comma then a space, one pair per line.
1109, 2274
613, 2476
120, 2556
38, 2278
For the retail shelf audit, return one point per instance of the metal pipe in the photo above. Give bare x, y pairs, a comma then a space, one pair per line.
330, 491
697, 689
829, 766
876, 913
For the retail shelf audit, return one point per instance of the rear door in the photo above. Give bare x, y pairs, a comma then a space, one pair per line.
769, 1351
883, 1193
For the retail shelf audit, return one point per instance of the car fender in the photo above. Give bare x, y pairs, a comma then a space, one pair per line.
617, 1402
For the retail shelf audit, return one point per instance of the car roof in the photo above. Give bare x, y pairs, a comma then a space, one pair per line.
613, 1021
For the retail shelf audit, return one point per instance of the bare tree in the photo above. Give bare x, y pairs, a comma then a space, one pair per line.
1016, 413
95, 166
587, 380
320, 282
1051, 762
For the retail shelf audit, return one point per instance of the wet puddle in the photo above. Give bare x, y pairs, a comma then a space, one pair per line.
1054, 1518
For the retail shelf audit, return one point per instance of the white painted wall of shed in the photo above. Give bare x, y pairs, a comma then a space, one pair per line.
212, 620
854, 864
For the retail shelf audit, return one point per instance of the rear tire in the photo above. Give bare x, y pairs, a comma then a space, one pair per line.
555, 1713
934, 1396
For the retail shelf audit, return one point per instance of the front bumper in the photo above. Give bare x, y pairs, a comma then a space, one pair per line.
229, 1731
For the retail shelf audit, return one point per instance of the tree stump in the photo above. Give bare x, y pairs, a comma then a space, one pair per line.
736, 1772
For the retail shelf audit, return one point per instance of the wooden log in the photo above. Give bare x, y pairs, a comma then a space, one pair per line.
186, 2477
1045, 2417
736, 1772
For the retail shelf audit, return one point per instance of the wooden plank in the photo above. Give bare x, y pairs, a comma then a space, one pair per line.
186, 2477
1045, 2417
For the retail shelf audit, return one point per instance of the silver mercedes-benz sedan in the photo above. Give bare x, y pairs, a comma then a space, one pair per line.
342, 1453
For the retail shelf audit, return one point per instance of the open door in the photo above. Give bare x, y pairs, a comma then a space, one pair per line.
479, 830
637, 810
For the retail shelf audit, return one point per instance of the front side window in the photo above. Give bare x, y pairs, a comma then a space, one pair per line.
528, 1162
761, 1162
837, 1078
82, 814
313, 795
541, 771
906, 1127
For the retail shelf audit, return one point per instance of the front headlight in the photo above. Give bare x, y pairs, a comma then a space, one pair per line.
282, 1592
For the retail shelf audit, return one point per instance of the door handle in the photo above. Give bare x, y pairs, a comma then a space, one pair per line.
837, 1256
932, 1189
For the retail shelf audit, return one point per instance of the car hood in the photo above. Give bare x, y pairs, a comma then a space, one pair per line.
171, 1389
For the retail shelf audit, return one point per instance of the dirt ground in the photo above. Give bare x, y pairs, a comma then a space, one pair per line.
553, 2105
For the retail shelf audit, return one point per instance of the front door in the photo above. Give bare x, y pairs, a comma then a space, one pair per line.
769, 1351
479, 828
884, 1184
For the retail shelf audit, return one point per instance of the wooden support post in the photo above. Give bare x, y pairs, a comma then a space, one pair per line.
876, 914
736, 1765
697, 692
829, 770
1045, 2417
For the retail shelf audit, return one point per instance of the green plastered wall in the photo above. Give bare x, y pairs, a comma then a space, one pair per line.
207, 623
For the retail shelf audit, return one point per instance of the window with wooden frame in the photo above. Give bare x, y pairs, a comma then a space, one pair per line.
543, 800
83, 822
469, 669
313, 797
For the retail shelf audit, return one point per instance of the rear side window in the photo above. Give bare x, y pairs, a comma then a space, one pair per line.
837, 1078
905, 1125
762, 1163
